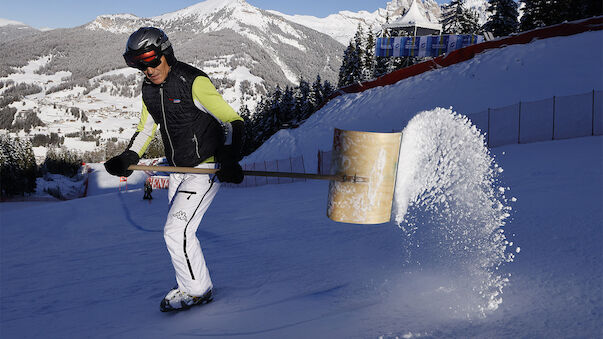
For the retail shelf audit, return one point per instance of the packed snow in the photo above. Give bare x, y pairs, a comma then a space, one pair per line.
97, 267
473, 250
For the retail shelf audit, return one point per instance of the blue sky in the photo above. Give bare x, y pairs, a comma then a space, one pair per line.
71, 13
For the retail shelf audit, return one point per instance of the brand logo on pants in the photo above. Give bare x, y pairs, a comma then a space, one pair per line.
180, 215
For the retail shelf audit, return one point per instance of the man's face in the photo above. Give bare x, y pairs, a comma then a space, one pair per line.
158, 74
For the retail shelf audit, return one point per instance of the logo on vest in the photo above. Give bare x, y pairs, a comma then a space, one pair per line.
176, 101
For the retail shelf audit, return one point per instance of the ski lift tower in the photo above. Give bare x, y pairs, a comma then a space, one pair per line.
415, 22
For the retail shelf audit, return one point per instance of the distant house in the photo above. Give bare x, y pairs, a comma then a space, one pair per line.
415, 22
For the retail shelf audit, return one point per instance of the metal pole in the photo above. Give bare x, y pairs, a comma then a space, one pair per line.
519, 125
303, 165
593, 120
489, 127
553, 118
291, 167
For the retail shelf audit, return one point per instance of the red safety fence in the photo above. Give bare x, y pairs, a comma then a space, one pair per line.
466, 53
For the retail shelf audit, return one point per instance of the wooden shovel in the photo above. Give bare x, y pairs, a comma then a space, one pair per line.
361, 190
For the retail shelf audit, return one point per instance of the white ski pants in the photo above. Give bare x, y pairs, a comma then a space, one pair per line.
189, 196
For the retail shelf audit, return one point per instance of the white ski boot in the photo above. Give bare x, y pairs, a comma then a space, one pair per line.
177, 300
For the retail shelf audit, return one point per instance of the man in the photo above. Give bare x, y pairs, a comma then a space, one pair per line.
198, 129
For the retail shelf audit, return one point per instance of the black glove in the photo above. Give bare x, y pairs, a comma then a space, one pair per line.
229, 156
230, 172
118, 165
232, 153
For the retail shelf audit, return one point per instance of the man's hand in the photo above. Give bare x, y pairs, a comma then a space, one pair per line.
230, 172
229, 156
118, 165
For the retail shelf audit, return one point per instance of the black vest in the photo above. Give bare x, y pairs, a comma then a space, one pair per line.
189, 134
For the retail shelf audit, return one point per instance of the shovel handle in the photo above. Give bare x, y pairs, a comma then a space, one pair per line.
342, 177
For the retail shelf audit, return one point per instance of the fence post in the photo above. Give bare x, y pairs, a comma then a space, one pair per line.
553, 117
488, 127
519, 125
291, 168
318, 158
593, 121
303, 166
266, 169
255, 179
278, 179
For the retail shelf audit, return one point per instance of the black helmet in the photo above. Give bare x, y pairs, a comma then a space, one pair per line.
146, 46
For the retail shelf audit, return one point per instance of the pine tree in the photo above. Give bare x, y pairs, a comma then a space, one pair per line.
360, 48
540, 13
327, 89
369, 57
316, 93
287, 103
303, 108
503, 17
18, 169
456, 19
349, 72
352, 69
533, 14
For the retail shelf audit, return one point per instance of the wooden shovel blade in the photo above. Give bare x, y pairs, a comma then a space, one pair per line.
369, 155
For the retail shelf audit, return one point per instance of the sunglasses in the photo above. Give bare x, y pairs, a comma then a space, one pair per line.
143, 60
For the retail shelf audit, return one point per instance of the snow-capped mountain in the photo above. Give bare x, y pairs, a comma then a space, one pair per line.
245, 50
11, 29
343, 25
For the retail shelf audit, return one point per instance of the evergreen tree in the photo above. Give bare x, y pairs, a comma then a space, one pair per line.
503, 17
303, 107
287, 104
369, 57
456, 19
18, 169
533, 14
540, 13
349, 72
352, 69
327, 90
360, 48
316, 93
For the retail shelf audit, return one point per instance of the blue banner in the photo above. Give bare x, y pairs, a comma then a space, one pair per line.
423, 46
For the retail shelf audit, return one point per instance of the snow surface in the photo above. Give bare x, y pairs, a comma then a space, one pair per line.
97, 267
473, 251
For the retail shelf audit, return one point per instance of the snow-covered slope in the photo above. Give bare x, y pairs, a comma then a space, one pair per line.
539, 70
97, 267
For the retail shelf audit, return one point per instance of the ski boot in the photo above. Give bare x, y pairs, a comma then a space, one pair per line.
177, 300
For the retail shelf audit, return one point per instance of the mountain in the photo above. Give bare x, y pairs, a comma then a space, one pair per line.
343, 25
75, 79
11, 30
227, 37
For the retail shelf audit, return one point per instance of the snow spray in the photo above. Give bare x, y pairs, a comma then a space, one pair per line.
451, 207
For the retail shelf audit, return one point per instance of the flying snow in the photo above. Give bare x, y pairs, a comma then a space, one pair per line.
452, 209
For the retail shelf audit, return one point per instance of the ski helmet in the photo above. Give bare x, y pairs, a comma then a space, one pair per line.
146, 46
